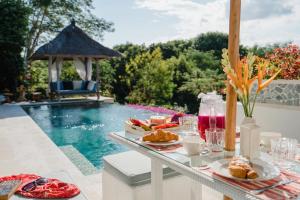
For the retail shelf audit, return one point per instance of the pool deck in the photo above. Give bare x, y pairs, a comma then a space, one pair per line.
25, 148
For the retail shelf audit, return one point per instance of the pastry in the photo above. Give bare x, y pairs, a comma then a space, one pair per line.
157, 120
252, 174
237, 171
240, 167
160, 136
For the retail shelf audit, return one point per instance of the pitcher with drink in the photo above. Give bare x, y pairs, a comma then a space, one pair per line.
211, 113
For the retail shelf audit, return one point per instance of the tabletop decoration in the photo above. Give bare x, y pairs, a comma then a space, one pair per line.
249, 70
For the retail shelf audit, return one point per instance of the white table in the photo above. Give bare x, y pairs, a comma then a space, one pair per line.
159, 158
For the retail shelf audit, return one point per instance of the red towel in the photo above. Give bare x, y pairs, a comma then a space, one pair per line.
53, 189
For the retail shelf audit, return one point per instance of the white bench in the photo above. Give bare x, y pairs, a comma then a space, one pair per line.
127, 176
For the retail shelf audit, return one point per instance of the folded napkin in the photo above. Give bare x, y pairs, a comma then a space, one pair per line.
53, 189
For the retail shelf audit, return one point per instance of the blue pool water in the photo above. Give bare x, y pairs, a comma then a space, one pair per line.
85, 126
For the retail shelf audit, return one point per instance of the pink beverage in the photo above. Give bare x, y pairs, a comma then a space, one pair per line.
203, 123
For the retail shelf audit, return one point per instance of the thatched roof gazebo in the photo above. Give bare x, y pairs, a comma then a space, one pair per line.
72, 43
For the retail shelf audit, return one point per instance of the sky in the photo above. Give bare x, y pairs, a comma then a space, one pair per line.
149, 21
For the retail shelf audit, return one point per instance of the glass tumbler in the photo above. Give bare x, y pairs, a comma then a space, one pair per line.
215, 139
188, 125
283, 150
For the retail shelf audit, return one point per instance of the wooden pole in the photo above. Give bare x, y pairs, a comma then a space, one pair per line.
231, 97
233, 51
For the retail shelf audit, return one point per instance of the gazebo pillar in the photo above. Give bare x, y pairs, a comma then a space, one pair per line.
97, 79
49, 74
57, 76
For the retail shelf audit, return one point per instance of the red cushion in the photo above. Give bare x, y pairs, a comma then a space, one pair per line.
54, 189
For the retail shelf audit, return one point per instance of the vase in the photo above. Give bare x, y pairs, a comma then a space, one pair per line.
249, 138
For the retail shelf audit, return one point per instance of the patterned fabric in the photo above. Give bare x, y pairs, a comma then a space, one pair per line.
54, 189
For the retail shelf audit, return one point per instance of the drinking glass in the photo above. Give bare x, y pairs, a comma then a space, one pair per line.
188, 125
283, 151
215, 139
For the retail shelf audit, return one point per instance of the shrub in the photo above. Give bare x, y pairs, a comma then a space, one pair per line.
288, 60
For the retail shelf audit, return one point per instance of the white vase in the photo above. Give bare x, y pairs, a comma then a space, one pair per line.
249, 138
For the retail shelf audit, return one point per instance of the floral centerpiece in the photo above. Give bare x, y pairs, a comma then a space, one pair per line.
244, 76
249, 70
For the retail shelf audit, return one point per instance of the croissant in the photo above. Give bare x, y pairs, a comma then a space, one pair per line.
240, 167
160, 136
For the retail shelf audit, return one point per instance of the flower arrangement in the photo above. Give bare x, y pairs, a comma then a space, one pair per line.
249, 69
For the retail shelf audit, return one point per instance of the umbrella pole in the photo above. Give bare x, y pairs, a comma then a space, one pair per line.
231, 97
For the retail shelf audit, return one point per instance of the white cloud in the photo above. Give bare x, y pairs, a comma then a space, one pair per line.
263, 21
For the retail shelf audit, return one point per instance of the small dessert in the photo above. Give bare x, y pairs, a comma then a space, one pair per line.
163, 126
160, 136
158, 120
240, 167
141, 124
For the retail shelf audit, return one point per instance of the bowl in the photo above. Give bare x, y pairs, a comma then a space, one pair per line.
193, 144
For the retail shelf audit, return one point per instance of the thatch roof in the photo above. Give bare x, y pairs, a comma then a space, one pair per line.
72, 42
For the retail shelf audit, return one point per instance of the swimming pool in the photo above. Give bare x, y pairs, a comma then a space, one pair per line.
85, 126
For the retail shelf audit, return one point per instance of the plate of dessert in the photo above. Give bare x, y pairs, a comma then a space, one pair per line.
161, 138
142, 127
240, 168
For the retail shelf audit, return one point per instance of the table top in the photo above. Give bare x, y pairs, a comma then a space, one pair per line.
199, 165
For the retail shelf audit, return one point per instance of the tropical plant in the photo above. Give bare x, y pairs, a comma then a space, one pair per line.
288, 60
243, 77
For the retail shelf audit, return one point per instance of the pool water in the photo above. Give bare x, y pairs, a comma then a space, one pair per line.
85, 126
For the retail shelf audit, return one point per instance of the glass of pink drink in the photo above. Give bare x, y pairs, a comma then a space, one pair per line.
203, 123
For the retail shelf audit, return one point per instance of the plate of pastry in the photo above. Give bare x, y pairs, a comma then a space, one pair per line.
240, 168
161, 137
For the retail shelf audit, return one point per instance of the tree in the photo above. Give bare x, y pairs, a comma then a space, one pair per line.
215, 41
106, 76
49, 16
204, 60
154, 79
201, 81
13, 23
172, 48
121, 86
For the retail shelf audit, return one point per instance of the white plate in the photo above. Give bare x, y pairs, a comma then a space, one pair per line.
264, 170
162, 143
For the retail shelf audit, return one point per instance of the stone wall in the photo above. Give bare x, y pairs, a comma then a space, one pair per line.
280, 92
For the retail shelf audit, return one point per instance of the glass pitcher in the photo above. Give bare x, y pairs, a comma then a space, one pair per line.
211, 113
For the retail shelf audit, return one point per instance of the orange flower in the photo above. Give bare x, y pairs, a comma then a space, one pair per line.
242, 78
266, 83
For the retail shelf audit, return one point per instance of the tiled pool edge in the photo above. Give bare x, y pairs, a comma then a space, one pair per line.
25, 148
83, 164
